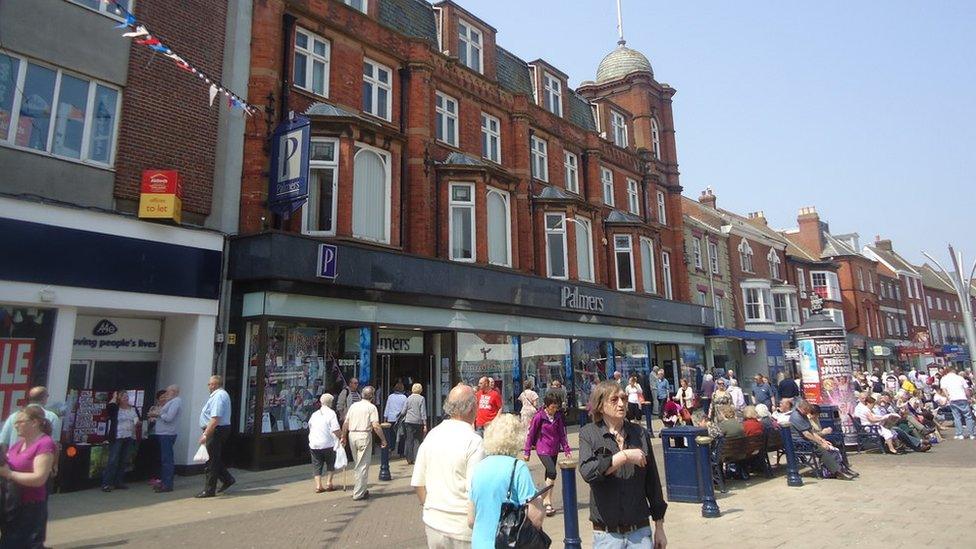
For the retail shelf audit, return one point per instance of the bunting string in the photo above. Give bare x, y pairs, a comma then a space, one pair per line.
141, 35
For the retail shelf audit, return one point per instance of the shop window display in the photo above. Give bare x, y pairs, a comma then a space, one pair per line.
545, 359
493, 355
692, 365
590, 359
632, 358
25, 341
301, 362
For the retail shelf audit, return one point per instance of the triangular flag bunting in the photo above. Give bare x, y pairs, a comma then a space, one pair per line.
213, 93
140, 31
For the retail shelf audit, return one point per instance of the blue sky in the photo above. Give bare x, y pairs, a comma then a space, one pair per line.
865, 109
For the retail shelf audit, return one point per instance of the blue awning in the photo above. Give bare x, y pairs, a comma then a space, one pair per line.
743, 334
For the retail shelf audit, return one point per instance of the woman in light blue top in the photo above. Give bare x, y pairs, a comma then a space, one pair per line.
503, 441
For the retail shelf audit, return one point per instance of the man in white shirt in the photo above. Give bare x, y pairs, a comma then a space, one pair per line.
783, 412
362, 420
866, 416
445, 464
738, 397
323, 435
957, 392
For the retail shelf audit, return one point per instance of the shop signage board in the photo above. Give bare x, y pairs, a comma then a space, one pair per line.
290, 147
573, 298
161, 195
113, 335
328, 261
16, 362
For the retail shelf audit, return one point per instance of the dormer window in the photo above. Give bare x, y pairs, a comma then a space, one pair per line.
470, 45
745, 256
619, 125
553, 94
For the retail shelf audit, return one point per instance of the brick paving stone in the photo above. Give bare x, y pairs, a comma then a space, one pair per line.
278, 509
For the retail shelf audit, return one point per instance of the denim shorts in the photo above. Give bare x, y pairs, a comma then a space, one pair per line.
638, 539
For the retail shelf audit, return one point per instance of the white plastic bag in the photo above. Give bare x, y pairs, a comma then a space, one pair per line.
340, 462
202, 456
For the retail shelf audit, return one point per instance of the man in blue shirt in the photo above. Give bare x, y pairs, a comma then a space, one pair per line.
762, 393
664, 390
215, 423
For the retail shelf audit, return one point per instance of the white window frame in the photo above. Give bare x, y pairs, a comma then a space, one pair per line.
571, 171
837, 315
763, 303
655, 138
832, 284
443, 117
507, 198
552, 93
559, 229
696, 252
310, 58
860, 279
908, 284
388, 180
662, 208
469, 207
649, 279
588, 227
618, 125
719, 307
801, 280
10, 140
466, 36
745, 256
375, 85
928, 301
774, 264
791, 309
633, 196
363, 9
713, 257
323, 164
491, 135
106, 9
666, 274
606, 183
629, 250
540, 158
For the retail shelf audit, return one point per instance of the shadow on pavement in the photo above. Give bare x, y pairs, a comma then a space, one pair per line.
247, 492
106, 544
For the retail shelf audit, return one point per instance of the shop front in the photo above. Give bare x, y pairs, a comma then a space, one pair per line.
747, 354
390, 318
92, 303
881, 355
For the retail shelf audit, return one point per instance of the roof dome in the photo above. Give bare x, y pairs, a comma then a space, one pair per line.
621, 62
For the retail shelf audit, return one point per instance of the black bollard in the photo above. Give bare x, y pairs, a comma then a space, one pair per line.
385, 454
792, 467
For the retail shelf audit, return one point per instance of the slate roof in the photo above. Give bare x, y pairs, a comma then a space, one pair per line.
580, 112
513, 73
411, 17
892, 258
933, 279
617, 216
555, 193
329, 111
461, 159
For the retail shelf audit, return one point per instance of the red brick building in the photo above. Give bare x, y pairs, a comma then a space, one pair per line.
488, 214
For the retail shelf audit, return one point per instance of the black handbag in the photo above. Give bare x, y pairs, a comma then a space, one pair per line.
9, 493
515, 530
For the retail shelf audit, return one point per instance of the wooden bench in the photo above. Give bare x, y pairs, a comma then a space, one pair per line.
741, 451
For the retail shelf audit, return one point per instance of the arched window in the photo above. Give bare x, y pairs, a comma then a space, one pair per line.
745, 256
499, 228
656, 138
371, 196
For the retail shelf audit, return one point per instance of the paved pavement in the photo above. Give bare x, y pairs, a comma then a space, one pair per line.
900, 501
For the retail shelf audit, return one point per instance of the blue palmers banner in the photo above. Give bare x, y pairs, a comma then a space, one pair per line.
141, 35
290, 149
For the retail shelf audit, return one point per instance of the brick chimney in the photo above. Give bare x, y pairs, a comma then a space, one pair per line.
810, 230
707, 197
758, 219
882, 244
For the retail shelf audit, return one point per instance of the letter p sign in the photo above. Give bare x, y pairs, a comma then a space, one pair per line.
290, 157
328, 261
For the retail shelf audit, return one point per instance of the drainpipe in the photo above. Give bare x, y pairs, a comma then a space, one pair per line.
287, 28
404, 80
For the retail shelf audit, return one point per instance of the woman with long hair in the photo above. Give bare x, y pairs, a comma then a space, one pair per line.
122, 433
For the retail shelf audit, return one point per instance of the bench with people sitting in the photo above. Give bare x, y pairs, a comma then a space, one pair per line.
741, 447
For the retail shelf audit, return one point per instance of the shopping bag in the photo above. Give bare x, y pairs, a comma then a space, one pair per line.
340, 461
202, 456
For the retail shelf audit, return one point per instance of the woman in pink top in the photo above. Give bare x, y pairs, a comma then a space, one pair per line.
547, 434
29, 464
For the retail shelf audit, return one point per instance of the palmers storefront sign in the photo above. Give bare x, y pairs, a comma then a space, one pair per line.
572, 298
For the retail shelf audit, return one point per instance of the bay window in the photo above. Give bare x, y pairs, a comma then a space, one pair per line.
624, 255
323, 179
825, 284
556, 245
758, 303
462, 222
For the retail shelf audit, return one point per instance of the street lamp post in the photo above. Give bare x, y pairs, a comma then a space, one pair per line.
963, 286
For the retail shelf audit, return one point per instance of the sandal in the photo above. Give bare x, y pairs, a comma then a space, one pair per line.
319, 490
330, 489
549, 510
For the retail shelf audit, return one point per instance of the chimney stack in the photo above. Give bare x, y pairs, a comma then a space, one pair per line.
810, 230
707, 197
758, 218
882, 244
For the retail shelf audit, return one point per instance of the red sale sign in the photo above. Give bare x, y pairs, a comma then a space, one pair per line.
16, 360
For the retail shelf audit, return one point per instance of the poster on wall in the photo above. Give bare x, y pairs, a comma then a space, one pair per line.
16, 363
90, 425
836, 373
